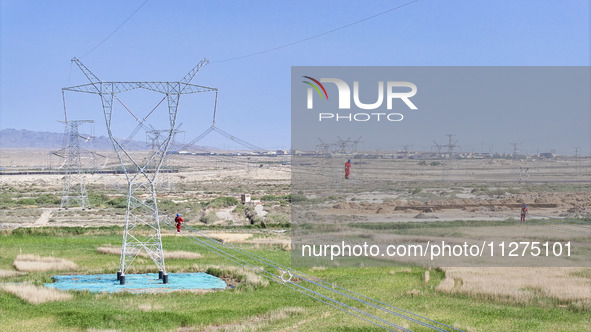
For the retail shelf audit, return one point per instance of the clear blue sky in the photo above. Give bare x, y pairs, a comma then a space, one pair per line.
167, 38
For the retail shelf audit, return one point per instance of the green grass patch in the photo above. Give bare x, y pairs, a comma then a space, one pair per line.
249, 304
222, 202
209, 217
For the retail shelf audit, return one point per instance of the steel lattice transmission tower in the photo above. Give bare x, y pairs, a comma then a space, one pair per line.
74, 180
577, 163
142, 220
451, 146
515, 150
165, 182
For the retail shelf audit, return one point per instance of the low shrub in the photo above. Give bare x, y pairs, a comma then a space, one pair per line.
222, 202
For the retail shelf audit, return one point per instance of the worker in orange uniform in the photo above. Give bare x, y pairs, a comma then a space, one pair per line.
178, 220
523, 212
347, 169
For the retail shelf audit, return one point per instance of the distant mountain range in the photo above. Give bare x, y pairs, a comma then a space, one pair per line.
26, 139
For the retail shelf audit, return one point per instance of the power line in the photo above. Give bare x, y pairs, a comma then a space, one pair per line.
515, 149
239, 256
267, 50
318, 35
117, 29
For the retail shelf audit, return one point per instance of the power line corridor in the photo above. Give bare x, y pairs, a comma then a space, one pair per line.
373, 311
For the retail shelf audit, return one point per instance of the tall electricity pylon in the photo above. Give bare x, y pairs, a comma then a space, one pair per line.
165, 181
74, 180
577, 164
451, 146
142, 220
515, 150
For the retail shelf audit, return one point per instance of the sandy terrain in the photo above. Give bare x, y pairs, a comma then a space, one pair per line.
540, 205
556, 188
478, 190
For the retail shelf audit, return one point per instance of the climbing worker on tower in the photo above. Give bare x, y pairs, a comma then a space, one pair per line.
523, 213
178, 220
347, 168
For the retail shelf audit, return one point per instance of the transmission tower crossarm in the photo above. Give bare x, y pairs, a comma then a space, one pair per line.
194, 71
75, 122
86, 88
194, 88
90, 75
119, 87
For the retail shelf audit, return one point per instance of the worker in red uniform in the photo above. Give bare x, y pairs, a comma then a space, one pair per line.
178, 220
347, 168
523, 212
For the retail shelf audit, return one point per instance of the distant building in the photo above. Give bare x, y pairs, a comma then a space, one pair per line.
245, 198
547, 155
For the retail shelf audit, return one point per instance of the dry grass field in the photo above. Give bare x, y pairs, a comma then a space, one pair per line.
35, 294
36, 263
521, 285
10, 273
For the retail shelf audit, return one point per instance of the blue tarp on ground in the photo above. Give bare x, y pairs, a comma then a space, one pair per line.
137, 283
